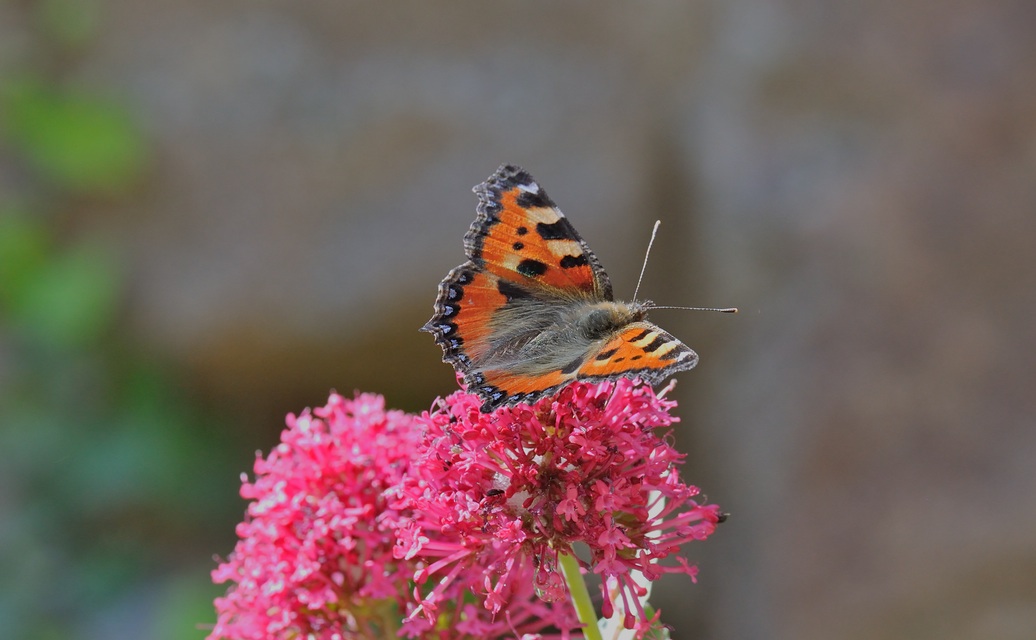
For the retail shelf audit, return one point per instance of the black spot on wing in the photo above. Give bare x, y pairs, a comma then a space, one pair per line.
604, 355
521, 231
655, 344
531, 268
534, 199
640, 336
674, 353
511, 291
560, 230
518, 246
569, 262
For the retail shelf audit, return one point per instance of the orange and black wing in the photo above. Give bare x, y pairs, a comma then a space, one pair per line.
463, 319
520, 236
520, 247
641, 350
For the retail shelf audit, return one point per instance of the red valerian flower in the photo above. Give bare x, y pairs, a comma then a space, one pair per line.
314, 559
497, 497
316, 555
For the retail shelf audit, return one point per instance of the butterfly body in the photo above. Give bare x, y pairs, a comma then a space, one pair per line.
532, 308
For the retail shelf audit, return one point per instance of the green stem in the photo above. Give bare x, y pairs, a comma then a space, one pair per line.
580, 596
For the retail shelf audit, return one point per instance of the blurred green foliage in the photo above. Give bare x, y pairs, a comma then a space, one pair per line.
64, 299
113, 476
109, 467
77, 141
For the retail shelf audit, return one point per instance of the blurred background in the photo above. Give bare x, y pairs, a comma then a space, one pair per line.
211, 214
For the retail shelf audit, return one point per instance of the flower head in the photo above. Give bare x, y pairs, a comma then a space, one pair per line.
318, 552
500, 495
315, 557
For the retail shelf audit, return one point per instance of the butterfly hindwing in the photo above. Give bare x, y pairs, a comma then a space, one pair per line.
503, 387
484, 324
463, 315
521, 236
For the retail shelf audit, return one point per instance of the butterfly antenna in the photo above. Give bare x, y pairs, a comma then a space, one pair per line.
643, 267
724, 310
647, 253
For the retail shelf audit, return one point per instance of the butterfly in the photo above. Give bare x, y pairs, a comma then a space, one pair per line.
532, 308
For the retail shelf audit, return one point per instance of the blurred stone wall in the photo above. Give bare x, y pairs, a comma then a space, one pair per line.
868, 172
857, 177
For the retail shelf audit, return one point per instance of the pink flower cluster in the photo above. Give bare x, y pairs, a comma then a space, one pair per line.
366, 523
314, 557
513, 489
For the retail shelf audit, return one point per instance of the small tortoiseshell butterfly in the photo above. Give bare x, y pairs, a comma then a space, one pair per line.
532, 308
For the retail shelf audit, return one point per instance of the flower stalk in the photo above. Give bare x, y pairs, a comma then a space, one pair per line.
580, 596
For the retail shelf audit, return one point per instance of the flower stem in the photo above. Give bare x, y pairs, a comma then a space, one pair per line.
580, 596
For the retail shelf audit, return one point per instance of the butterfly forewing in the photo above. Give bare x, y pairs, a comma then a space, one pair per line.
639, 349
521, 236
